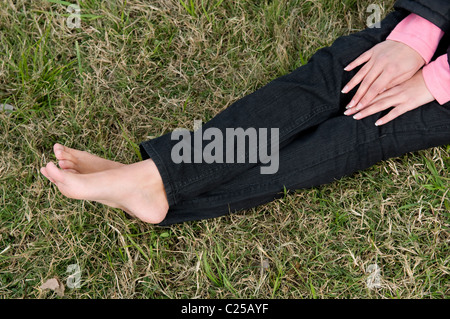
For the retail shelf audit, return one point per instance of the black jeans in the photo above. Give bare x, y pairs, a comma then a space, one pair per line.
318, 144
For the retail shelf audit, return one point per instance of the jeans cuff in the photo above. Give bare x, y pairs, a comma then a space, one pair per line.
148, 151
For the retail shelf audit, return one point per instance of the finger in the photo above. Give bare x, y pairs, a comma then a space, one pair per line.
385, 94
371, 77
357, 78
381, 105
398, 80
363, 58
377, 102
396, 112
380, 85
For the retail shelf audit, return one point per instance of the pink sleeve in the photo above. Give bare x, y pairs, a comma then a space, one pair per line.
437, 78
419, 34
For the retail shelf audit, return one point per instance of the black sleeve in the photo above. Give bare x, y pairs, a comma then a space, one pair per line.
435, 11
448, 55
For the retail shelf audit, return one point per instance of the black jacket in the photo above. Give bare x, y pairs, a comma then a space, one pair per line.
435, 11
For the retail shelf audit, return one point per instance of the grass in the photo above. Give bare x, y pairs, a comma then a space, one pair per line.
135, 70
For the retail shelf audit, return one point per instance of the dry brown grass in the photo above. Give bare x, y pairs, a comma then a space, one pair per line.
145, 68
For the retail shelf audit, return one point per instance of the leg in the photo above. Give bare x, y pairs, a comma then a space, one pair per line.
335, 148
293, 103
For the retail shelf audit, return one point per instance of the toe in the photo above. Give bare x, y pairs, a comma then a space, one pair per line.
63, 153
54, 173
58, 148
45, 173
66, 164
68, 183
72, 171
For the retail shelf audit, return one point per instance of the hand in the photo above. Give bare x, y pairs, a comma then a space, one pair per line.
404, 97
388, 64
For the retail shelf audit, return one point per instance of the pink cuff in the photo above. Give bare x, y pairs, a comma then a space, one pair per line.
419, 34
437, 78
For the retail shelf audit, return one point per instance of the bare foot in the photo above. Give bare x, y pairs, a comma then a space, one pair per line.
82, 162
136, 188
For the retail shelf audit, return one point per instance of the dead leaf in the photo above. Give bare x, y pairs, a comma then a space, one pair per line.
7, 108
55, 285
265, 264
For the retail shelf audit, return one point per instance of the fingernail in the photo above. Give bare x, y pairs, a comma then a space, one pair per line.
357, 116
359, 106
350, 105
345, 89
346, 68
347, 112
378, 123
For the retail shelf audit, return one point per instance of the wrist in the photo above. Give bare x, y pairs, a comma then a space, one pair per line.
419, 34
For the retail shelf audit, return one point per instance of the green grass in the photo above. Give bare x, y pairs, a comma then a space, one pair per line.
137, 69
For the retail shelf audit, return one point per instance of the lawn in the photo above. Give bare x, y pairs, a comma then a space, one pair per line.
134, 70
